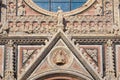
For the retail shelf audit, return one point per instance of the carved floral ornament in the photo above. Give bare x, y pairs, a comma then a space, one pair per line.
78, 10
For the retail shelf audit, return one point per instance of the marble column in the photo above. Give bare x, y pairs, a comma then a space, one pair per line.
9, 61
109, 57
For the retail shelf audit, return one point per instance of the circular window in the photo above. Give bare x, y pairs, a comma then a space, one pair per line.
50, 7
66, 5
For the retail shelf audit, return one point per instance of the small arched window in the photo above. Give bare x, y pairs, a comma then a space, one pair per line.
66, 5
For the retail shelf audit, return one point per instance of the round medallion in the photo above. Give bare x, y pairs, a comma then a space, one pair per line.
60, 57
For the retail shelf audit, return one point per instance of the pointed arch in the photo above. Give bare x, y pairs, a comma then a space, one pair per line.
60, 75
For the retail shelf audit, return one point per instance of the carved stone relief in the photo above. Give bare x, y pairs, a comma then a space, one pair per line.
21, 8
108, 7
60, 57
98, 8
98, 27
11, 8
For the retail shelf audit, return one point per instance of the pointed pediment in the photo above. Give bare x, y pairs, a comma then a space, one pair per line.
60, 39
45, 68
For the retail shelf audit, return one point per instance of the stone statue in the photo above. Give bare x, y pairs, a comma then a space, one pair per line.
36, 27
11, 8
21, 9
100, 26
27, 27
84, 27
98, 8
108, 7
59, 17
92, 27
52, 28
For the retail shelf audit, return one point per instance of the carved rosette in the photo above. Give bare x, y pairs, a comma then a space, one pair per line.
9, 62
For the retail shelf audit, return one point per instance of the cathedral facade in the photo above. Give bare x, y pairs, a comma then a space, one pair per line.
60, 40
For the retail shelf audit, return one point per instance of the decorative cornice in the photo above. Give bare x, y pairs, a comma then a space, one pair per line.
24, 40
95, 39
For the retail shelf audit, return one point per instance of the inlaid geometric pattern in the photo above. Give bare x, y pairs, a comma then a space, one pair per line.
93, 54
26, 52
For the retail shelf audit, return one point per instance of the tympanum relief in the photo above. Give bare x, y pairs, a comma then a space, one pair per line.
60, 57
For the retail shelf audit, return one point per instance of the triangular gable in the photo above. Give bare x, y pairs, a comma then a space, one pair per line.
47, 66
60, 35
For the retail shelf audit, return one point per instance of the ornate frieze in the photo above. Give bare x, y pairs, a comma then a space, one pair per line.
72, 25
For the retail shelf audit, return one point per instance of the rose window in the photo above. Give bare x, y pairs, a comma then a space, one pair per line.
66, 5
